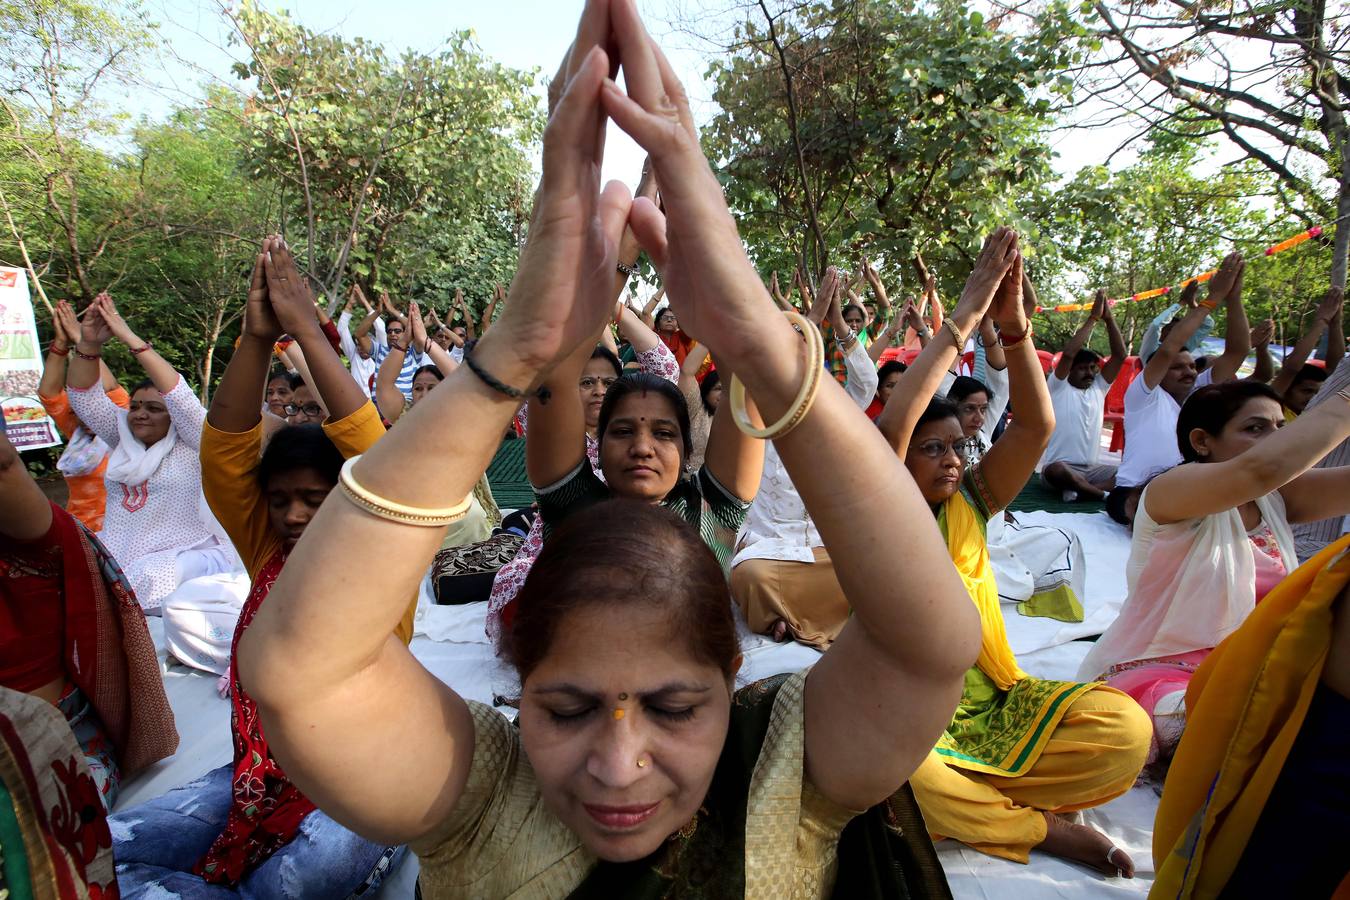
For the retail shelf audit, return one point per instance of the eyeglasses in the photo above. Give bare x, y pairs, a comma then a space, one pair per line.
311, 410
936, 449
590, 381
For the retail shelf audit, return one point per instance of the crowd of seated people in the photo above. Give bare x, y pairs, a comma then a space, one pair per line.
685, 494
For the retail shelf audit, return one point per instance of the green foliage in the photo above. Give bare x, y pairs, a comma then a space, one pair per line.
919, 125
381, 160
1160, 221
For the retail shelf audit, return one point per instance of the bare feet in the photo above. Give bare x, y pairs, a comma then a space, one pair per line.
778, 631
1085, 845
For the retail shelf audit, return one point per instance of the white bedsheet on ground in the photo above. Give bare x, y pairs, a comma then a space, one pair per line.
450, 642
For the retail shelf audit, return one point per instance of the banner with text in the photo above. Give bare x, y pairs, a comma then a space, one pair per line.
21, 366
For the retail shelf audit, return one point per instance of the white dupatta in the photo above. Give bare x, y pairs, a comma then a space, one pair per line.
132, 462
1191, 584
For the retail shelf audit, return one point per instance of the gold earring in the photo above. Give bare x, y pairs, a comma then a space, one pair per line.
642, 763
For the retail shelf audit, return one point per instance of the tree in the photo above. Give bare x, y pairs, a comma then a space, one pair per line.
60, 53
368, 148
1273, 79
895, 126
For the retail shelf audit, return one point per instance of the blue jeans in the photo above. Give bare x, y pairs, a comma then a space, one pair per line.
157, 843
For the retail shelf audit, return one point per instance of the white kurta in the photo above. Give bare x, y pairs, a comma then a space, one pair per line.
156, 530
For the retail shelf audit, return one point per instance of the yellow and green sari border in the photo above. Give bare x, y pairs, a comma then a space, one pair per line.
1028, 715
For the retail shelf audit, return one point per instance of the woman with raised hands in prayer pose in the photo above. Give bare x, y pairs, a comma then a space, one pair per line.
156, 524
636, 770
1212, 537
244, 829
1020, 750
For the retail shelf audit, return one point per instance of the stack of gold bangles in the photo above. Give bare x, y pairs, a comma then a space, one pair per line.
397, 512
815, 365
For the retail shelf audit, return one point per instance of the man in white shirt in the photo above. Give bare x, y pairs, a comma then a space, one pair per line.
1078, 388
782, 576
1153, 401
359, 345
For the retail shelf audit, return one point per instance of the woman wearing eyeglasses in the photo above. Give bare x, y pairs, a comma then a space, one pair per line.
1020, 750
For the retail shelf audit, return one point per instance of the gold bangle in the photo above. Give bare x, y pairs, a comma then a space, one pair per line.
956, 333
805, 398
397, 512
1026, 336
1209, 304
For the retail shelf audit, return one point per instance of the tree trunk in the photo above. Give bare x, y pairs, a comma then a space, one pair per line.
1341, 245
209, 360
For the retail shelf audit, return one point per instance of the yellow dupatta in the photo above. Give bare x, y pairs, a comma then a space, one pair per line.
1239, 734
970, 552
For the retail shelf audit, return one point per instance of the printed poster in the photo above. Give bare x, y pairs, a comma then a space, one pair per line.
21, 366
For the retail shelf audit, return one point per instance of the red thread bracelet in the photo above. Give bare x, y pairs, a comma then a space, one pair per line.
138, 350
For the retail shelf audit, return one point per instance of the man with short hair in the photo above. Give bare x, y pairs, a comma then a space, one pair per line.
1078, 388
1153, 400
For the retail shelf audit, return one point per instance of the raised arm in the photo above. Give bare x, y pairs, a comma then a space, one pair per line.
319, 658
886, 689
885, 338
422, 342
498, 295
1265, 366
649, 311
294, 307
234, 406
1237, 332
470, 330
93, 408
777, 294
388, 397
635, 331
994, 357
1201, 489
1080, 338
157, 369
1161, 360
557, 443
1012, 459
924, 376
53, 380
1326, 315
1119, 349
878, 289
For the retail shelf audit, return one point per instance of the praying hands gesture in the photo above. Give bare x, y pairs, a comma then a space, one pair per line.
319, 662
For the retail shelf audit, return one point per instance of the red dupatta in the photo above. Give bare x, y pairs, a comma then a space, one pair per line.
266, 808
108, 653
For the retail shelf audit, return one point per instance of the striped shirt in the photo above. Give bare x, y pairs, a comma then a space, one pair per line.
1310, 538
412, 361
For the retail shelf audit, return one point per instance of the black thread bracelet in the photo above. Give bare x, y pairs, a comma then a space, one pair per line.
500, 387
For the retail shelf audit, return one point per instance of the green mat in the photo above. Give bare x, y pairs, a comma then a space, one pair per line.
1037, 496
506, 475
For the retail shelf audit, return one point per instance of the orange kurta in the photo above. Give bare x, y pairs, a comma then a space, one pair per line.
87, 492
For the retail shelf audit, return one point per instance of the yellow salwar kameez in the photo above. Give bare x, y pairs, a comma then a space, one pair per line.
1018, 746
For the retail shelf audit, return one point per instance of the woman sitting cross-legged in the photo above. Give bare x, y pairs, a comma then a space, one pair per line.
1212, 537
244, 829
636, 769
1020, 749
156, 525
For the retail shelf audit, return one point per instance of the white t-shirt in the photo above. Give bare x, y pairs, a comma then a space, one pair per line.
1151, 431
1077, 437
